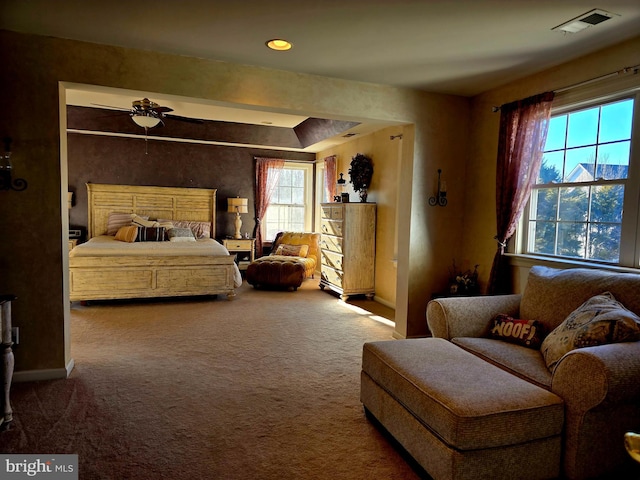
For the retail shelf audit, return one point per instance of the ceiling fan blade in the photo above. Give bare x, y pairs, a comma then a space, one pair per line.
162, 109
112, 107
184, 119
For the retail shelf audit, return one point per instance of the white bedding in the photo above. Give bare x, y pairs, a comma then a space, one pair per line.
108, 246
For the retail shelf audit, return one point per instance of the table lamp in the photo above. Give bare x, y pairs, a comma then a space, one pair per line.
237, 205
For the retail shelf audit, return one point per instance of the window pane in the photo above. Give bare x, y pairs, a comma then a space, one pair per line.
583, 127
547, 204
606, 203
557, 132
615, 122
297, 196
284, 195
574, 203
613, 161
579, 164
604, 242
544, 237
297, 178
551, 169
571, 239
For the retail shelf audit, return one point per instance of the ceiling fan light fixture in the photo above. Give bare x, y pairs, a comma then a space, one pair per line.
145, 121
279, 44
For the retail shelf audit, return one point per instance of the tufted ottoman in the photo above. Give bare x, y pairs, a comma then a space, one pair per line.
459, 416
276, 272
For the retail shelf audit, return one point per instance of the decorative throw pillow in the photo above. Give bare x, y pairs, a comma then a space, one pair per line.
143, 221
292, 250
117, 220
177, 234
528, 333
127, 234
150, 234
598, 321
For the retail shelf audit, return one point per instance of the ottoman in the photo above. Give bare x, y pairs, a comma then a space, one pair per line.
275, 273
476, 422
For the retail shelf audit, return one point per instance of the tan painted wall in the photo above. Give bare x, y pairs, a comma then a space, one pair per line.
480, 218
34, 263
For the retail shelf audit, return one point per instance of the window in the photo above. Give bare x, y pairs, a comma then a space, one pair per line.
583, 202
291, 207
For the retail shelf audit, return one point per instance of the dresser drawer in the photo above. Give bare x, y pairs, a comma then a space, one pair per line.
332, 276
238, 244
334, 213
332, 227
331, 243
332, 259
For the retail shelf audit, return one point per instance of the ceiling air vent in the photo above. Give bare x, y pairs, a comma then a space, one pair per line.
586, 20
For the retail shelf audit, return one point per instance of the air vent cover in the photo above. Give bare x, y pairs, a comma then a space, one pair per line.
586, 20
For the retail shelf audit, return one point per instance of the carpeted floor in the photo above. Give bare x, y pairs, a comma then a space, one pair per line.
262, 387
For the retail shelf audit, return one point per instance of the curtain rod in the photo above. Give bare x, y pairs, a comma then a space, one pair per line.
624, 71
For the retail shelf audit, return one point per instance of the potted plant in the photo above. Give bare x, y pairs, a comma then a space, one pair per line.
360, 174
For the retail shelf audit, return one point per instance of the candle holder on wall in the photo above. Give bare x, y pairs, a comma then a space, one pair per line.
440, 198
6, 180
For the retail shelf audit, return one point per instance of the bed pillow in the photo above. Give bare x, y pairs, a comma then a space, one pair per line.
150, 234
598, 321
199, 229
292, 250
528, 333
143, 221
177, 234
117, 220
127, 234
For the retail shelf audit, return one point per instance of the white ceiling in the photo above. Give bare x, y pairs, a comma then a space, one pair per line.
461, 47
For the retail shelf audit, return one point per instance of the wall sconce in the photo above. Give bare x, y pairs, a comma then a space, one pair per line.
441, 195
6, 182
237, 205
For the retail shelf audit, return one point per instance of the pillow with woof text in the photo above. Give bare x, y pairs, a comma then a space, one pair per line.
528, 333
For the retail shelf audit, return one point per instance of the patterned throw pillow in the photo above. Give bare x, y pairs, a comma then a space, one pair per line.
292, 250
598, 321
150, 234
177, 234
117, 220
528, 333
127, 234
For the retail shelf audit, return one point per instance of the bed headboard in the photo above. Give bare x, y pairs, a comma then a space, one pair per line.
173, 203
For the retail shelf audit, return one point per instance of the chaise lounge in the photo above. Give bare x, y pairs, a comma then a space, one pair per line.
489, 397
294, 257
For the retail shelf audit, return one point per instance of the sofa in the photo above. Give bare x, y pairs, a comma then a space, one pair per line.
476, 400
293, 257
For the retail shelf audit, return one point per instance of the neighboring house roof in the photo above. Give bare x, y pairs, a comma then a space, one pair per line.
583, 172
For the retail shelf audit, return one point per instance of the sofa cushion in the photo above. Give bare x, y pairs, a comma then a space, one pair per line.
552, 294
598, 321
526, 363
292, 250
528, 333
467, 402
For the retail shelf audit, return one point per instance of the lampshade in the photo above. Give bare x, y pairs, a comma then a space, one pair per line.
146, 121
237, 205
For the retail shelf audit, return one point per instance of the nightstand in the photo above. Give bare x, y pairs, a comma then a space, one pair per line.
72, 243
244, 248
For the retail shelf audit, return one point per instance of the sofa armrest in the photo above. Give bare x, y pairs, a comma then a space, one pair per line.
607, 374
468, 316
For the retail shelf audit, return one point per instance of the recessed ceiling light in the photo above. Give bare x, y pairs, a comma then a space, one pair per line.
279, 44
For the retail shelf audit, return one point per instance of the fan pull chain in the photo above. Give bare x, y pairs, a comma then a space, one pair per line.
146, 149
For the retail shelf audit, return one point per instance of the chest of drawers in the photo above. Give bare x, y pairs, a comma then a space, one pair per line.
348, 249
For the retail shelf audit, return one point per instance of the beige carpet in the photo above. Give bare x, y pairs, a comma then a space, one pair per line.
262, 387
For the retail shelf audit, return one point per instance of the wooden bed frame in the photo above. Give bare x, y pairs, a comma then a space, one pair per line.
109, 278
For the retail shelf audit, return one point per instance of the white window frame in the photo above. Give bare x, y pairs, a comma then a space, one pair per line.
630, 233
307, 168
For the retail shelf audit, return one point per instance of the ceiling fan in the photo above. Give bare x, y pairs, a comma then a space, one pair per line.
148, 114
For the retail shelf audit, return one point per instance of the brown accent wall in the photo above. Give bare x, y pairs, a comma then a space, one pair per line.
122, 160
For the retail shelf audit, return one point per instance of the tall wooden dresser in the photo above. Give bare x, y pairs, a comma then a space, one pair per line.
348, 248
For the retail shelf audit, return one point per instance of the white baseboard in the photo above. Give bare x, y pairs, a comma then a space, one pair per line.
47, 374
384, 302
